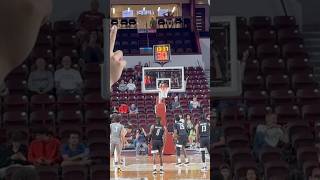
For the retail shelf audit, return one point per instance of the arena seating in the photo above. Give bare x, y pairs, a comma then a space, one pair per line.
182, 40
278, 78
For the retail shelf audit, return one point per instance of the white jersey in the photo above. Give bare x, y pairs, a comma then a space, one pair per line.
163, 93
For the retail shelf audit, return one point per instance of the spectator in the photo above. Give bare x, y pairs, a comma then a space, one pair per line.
91, 20
91, 51
14, 154
138, 66
141, 141
3, 89
251, 175
44, 149
129, 137
122, 86
146, 65
68, 80
75, 152
153, 23
40, 80
225, 172
25, 173
137, 75
269, 134
194, 104
114, 110
217, 134
191, 131
131, 86
123, 109
133, 109
176, 104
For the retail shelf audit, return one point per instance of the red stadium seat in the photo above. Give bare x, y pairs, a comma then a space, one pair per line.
15, 118
98, 172
48, 173
276, 82
69, 102
284, 22
42, 102
69, 117
260, 22
15, 103
42, 118
287, 113
282, 97
279, 169
272, 66
74, 172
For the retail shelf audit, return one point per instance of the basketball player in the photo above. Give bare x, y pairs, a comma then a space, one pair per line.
157, 134
203, 137
116, 139
163, 91
181, 138
20, 22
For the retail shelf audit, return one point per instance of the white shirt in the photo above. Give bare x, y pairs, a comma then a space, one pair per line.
131, 86
195, 104
68, 78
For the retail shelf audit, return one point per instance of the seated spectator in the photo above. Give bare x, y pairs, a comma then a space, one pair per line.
131, 86
141, 141
40, 80
226, 172
25, 173
114, 110
315, 174
75, 152
194, 104
217, 134
67, 79
44, 149
251, 175
133, 109
122, 86
123, 109
91, 20
91, 52
129, 137
191, 130
175, 104
3, 89
15, 154
269, 134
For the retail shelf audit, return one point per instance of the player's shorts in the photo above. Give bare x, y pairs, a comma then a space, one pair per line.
182, 140
157, 144
204, 142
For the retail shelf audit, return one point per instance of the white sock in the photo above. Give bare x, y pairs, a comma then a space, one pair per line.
161, 167
154, 166
187, 160
179, 160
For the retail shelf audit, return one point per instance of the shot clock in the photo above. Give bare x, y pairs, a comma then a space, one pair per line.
162, 53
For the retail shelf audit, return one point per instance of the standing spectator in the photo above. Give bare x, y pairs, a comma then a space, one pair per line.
146, 65
40, 80
133, 109
122, 86
91, 51
141, 141
75, 152
176, 104
15, 154
226, 172
138, 66
194, 104
91, 20
153, 23
44, 149
68, 80
191, 130
131, 86
269, 134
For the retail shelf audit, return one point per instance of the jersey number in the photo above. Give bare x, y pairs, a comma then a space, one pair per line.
181, 126
116, 129
158, 132
203, 128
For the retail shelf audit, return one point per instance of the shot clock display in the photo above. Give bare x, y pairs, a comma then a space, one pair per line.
162, 53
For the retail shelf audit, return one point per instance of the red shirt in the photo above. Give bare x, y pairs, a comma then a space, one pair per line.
46, 150
123, 109
91, 21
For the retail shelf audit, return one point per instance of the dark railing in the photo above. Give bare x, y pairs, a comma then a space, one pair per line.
283, 4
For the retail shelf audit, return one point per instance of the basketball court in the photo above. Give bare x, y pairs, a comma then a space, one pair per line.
141, 167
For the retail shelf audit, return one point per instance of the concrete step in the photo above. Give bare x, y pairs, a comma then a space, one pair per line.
313, 48
315, 34
315, 63
313, 27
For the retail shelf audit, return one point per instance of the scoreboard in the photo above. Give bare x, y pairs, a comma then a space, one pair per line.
162, 53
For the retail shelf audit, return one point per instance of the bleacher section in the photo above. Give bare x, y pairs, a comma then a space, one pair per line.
278, 78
